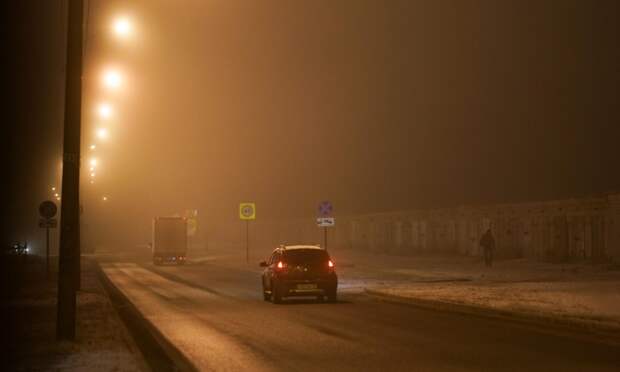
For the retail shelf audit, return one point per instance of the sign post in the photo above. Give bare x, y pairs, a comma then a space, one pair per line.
247, 212
325, 236
325, 220
47, 210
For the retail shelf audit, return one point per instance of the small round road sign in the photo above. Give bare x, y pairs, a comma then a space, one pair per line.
247, 211
47, 209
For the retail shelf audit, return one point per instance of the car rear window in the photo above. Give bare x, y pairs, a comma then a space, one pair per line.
302, 256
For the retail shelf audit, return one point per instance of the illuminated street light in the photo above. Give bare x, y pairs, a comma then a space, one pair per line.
56, 195
92, 169
105, 110
92, 174
102, 133
53, 188
122, 27
93, 162
92, 147
112, 79
105, 198
92, 181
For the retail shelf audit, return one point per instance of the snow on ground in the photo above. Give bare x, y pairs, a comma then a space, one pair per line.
587, 300
101, 344
580, 291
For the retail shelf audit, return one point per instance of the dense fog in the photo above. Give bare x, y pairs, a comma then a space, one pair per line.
373, 105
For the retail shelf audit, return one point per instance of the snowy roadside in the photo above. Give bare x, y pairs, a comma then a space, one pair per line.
577, 293
592, 302
102, 343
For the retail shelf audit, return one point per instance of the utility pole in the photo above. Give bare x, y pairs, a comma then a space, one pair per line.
68, 266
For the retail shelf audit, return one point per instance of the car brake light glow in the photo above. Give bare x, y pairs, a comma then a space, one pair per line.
330, 263
280, 265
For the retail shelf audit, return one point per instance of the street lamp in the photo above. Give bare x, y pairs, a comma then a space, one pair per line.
105, 198
122, 27
112, 79
105, 110
102, 133
93, 162
92, 147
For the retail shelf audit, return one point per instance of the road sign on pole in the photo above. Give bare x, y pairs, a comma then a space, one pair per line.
51, 223
47, 210
247, 212
326, 221
191, 216
325, 209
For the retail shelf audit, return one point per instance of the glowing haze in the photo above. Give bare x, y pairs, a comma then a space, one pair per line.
372, 105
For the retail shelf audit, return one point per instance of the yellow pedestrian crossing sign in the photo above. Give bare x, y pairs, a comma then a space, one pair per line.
247, 211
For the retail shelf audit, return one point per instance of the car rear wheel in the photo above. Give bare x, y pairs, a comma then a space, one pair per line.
332, 296
276, 293
266, 295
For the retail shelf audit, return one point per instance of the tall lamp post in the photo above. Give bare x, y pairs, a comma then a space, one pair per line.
69, 257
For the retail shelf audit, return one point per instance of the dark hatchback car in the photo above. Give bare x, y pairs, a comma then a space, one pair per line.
299, 270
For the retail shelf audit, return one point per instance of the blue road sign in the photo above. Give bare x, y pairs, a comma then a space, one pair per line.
325, 209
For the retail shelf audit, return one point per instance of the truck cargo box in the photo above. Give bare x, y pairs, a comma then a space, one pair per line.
169, 240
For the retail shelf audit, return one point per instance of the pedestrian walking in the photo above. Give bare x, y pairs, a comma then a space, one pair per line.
488, 247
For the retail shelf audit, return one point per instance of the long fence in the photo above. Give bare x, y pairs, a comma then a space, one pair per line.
575, 229
561, 230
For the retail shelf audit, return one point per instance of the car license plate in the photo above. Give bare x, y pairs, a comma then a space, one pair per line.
306, 286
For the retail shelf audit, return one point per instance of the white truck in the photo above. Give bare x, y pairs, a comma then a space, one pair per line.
169, 240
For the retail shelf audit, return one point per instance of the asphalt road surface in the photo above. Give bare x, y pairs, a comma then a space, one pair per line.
214, 313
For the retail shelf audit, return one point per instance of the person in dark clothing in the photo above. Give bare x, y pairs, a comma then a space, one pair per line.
488, 246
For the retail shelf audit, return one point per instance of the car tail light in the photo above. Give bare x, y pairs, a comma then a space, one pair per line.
281, 265
330, 263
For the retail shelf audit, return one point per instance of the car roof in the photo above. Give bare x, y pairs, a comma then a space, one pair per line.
293, 247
